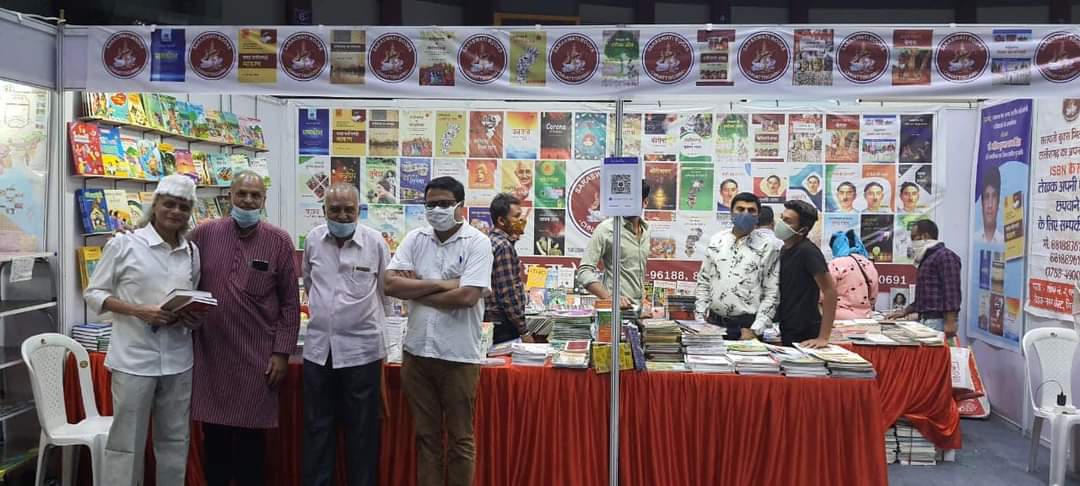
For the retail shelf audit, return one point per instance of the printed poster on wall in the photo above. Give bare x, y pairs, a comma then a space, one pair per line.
350, 132
996, 289
314, 127
1054, 268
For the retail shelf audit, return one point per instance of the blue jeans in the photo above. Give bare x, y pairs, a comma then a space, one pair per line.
935, 324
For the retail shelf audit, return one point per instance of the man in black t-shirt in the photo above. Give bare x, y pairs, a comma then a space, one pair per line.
804, 279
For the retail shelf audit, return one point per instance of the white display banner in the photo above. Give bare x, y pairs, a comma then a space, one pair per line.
594, 62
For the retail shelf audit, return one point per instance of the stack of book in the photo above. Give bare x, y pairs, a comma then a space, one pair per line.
539, 324
681, 306
700, 363
702, 339
921, 333
530, 354
797, 364
755, 365
911, 447
180, 300
749, 347
570, 354
841, 362
662, 341
572, 325
92, 336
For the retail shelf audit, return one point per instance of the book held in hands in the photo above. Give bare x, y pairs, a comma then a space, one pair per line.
188, 300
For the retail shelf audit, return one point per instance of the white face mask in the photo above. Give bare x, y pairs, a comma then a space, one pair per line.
919, 247
442, 219
784, 231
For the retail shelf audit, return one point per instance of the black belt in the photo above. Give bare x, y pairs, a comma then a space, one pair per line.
742, 320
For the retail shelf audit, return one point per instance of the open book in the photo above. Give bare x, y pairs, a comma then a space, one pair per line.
188, 300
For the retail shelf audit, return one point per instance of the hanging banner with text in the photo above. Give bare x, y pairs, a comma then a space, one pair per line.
579, 62
1055, 210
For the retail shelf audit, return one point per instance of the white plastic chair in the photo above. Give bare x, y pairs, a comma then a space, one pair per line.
1048, 361
45, 356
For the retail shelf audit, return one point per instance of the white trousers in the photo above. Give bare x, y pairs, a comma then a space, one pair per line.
135, 400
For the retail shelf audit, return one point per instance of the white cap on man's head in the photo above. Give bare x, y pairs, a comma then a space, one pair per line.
177, 185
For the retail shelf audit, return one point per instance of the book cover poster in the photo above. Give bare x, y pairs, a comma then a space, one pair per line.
732, 137
415, 175
556, 135
350, 132
714, 56
347, 54
387, 219
417, 133
517, 179
662, 237
695, 187
663, 182
814, 53
549, 233
807, 183
450, 133
880, 139
437, 57
661, 140
590, 136
167, 49
258, 56
804, 132
916, 139
915, 193
997, 314
483, 182
1011, 52
731, 179
528, 55
842, 132
622, 51
455, 168
314, 128
524, 243
480, 218
313, 179
522, 134
914, 52
415, 218
696, 137
383, 133
345, 170
878, 188
841, 182
876, 231
697, 228
380, 181
550, 183
486, 134
770, 182
902, 252
1014, 225
770, 133
834, 223
631, 134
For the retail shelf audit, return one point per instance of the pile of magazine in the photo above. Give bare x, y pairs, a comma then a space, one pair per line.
530, 354
841, 362
661, 341
797, 364
702, 339
908, 446
701, 363
572, 325
570, 354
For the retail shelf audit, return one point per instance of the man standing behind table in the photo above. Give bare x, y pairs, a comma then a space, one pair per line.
343, 350
937, 283
505, 306
242, 350
443, 272
804, 278
634, 249
737, 287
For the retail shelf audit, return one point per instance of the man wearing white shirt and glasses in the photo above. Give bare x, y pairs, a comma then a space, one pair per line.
443, 272
150, 356
343, 350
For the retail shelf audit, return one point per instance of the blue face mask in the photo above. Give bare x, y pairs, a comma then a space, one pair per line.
744, 222
341, 230
246, 218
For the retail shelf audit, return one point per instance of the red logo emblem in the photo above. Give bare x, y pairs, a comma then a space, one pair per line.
303, 56
667, 58
1070, 109
962, 57
574, 59
764, 57
392, 58
863, 57
584, 201
1058, 57
211, 55
124, 54
482, 58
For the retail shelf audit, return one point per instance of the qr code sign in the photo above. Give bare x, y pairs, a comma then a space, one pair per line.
620, 184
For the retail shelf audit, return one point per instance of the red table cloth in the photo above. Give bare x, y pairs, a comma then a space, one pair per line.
916, 384
544, 426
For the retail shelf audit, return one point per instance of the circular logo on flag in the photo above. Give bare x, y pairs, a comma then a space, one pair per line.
573, 59
862, 57
584, 201
303, 56
482, 58
1058, 57
961, 57
392, 57
124, 54
211, 55
667, 58
764, 57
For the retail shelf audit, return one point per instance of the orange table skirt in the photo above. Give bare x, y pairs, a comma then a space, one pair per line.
544, 426
916, 384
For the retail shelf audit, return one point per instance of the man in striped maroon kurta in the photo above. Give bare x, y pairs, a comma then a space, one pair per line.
242, 350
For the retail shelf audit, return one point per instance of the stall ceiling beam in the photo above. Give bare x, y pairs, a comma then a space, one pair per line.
390, 12
799, 11
1060, 12
480, 12
966, 11
720, 11
644, 11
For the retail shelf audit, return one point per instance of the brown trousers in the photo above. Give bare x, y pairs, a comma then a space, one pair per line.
442, 392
